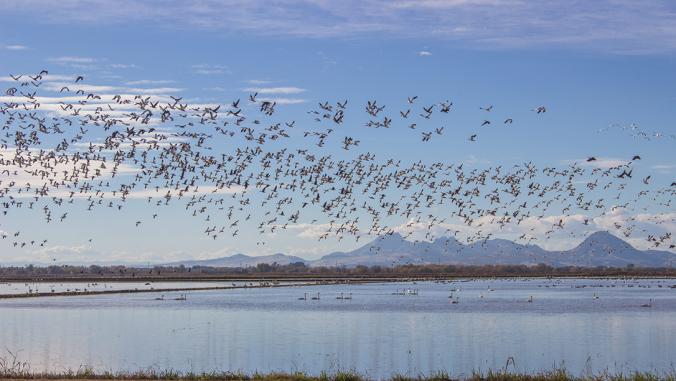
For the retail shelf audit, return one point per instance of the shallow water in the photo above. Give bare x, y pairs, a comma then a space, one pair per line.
582, 324
8, 288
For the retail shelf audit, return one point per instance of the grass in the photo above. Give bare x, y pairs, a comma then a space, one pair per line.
12, 368
22, 372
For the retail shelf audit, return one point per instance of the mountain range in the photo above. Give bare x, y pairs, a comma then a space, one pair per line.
598, 249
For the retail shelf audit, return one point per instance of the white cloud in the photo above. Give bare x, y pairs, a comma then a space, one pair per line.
122, 66
149, 82
15, 47
275, 90
209, 69
627, 27
215, 88
155, 91
23, 178
284, 101
90, 254
72, 60
424, 53
472, 159
311, 231
99, 89
258, 81
600, 162
664, 168
574, 230
45, 77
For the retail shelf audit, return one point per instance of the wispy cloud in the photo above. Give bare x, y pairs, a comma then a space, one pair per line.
258, 81
122, 66
599, 162
664, 168
576, 228
284, 101
629, 27
275, 90
81, 62
424, 53
72, 60
472, 159
208, 69
149, 82
15, 47
76, 62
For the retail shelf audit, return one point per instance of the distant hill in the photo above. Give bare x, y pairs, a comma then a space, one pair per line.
598, 249
241, 260
605, 249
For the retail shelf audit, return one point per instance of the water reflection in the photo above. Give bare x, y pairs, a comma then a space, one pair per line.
375, 333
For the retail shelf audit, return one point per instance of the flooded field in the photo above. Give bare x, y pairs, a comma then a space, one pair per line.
375, 329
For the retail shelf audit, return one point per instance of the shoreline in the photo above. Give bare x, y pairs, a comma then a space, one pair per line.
302, 273
273, 283
331, 278
157, 290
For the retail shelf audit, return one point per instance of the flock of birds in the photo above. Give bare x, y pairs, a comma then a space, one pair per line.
233, 167
635, 131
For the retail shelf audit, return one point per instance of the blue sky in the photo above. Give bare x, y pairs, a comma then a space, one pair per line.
591, 63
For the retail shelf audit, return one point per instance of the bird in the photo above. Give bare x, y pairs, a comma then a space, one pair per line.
234, 167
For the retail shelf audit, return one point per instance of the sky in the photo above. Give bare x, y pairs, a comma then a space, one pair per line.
593, 64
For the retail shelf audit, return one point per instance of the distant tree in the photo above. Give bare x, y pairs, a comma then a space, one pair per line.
263, 267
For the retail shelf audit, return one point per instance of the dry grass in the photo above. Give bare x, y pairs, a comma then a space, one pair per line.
13, 369
17, 371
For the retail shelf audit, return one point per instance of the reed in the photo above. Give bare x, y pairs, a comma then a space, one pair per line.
10, 369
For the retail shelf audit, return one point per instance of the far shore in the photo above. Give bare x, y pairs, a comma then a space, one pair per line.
298, 272
267, 282
161, 290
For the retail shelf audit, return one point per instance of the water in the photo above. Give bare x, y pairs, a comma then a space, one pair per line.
7, 288
582, 324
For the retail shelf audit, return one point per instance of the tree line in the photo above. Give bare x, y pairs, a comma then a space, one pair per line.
301, 270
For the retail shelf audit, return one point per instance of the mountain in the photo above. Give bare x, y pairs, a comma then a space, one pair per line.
598, 249
241, 260
604, 249
384, 251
